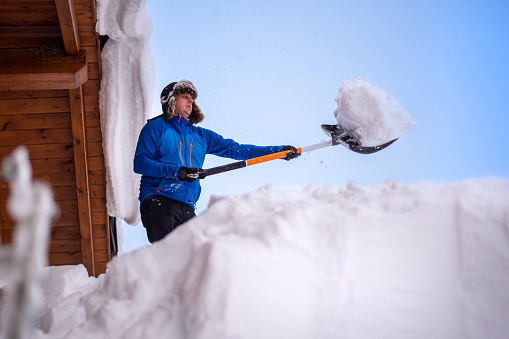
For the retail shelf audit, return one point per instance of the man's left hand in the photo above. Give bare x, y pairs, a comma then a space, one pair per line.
189, 173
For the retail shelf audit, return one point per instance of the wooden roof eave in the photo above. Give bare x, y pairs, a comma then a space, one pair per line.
32, 69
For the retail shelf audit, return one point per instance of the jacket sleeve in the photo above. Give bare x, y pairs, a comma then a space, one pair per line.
228, 148
147, 155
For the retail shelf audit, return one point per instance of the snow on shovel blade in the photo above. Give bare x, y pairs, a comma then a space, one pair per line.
340, 136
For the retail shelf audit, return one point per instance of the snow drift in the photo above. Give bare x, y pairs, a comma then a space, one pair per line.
389, 260
369, 114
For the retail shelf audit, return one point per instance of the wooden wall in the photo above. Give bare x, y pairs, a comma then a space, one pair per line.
45, 121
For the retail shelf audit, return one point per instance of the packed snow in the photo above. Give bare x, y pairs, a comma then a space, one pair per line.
369, 114
125, 98
390, 260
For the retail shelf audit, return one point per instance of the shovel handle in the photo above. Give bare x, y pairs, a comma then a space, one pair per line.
269, 157
244, 163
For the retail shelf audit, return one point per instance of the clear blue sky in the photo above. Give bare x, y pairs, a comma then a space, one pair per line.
268, 72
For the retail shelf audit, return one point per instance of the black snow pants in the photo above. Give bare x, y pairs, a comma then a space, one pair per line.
161, 215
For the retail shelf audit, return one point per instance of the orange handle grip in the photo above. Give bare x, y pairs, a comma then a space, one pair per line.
269, 157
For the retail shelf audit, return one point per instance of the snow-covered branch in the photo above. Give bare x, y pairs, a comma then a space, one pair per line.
32, 207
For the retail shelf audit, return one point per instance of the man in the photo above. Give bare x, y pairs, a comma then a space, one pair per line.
170, 150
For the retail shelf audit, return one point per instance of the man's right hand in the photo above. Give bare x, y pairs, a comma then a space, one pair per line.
189, 173
292, 154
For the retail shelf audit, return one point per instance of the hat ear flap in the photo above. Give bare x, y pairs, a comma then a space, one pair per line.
169, 109
196, 115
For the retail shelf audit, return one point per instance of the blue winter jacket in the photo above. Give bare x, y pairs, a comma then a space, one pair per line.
163, 147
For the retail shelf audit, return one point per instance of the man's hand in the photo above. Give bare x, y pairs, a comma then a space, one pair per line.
189, 173
292, 154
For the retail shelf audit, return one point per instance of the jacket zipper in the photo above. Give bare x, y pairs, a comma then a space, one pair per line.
180, 152
190, 153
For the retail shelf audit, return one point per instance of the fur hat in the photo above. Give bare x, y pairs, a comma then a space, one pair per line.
169, 97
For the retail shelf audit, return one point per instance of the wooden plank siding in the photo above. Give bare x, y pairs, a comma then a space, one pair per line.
42, 120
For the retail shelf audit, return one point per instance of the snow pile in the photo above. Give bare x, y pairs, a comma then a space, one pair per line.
125, 98
369, 114
383, 261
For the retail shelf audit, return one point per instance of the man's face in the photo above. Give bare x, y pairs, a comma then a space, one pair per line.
184, 105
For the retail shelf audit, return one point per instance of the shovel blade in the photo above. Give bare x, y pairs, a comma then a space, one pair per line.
340, 136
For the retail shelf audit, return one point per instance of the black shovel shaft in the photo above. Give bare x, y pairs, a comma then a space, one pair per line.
221, 169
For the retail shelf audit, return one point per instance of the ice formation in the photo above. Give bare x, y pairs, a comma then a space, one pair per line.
125, 98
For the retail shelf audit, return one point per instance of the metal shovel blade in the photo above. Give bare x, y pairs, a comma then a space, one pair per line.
340, 136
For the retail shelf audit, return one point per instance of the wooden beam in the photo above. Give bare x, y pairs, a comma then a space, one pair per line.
82, 182
2, 241
68, 26
38, 69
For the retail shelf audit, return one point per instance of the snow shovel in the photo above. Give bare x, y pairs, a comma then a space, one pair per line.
335, 132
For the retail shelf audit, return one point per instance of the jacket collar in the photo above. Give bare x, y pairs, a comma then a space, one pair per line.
181, 124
